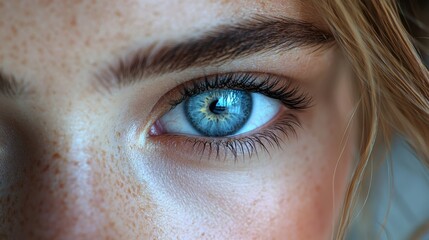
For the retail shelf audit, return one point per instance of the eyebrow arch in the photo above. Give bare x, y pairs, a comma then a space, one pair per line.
258, 34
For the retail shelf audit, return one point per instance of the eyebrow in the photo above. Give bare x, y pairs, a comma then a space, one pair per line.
259, 34
255, 35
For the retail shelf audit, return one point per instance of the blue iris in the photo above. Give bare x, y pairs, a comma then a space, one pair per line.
218, 113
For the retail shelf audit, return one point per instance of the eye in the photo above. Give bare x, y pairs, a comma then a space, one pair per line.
236, 113
220, 113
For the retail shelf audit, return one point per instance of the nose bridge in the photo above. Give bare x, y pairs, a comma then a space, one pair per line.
58, 197
76, 182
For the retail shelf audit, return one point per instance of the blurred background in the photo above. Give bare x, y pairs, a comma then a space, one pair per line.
416, 18
398, 197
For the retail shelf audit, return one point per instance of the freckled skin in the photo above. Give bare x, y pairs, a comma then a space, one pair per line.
73, 168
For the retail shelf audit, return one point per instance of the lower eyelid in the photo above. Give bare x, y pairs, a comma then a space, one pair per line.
239, 147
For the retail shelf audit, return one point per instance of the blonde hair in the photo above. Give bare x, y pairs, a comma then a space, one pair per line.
393, 83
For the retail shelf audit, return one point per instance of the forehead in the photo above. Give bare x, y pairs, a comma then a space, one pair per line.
58, 40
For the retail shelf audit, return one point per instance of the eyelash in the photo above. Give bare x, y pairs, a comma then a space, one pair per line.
271, 86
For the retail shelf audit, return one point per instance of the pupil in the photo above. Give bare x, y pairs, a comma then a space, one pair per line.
215, 108
219, 112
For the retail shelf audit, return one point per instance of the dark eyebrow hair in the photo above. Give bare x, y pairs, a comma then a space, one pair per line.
259, 34
9, 86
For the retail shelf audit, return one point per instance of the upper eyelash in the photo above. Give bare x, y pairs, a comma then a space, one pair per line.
270, 86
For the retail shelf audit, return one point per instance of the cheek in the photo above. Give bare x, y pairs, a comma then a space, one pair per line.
313, 201
292, 197
311, 183
71, 189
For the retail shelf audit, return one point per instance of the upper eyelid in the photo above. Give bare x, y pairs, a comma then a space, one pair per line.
269, 84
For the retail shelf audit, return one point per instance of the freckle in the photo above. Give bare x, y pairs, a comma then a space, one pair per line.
13, 30
24, 62
32, 37
56, 156
57, 171
40, 51
73, 21
27, 12
317, 188
139, 188
72, 42
14, 47
38, 163
63, 65
46, 168
87, 43
118, 13
111, 224
119, 183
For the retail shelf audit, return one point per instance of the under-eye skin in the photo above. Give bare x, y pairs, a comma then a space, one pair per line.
232, 115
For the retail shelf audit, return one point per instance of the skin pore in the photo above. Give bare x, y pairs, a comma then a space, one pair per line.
76, 159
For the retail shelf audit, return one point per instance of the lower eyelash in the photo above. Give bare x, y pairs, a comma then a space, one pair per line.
272, 136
